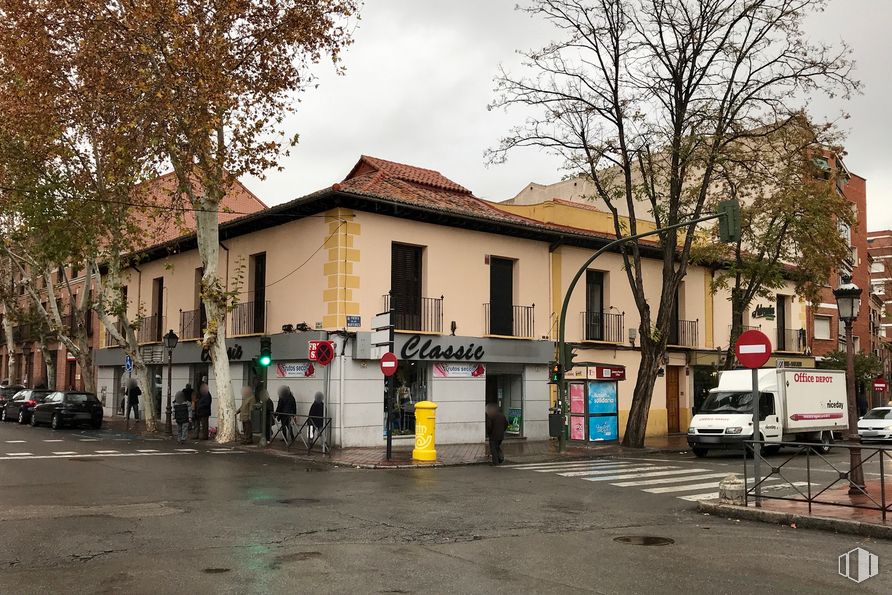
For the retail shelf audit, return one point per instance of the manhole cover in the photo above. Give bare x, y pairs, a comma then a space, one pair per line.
644, 540
215, 570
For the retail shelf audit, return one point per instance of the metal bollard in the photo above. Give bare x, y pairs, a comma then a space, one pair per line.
425, 427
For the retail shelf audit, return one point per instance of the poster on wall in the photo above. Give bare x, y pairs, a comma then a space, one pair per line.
515, 416
602, 428
602, 397
451, 370
577, 398
295, 370
577, 428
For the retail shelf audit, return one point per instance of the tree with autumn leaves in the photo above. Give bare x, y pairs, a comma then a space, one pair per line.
201, 87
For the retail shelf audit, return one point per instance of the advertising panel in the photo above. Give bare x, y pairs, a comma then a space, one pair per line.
602, 397
602, 428
468, 370
295, 370
577, 427
577, 398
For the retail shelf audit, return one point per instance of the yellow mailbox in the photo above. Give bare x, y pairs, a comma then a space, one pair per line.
425, 426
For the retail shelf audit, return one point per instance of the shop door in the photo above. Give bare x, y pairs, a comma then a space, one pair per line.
672, 398
501, 296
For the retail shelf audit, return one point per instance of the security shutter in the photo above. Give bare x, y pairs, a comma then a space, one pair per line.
405, 285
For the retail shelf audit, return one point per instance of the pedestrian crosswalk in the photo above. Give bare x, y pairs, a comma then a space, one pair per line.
653, 476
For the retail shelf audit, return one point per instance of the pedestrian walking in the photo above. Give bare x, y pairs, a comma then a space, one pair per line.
133, 393
182, 413
244, 414
285, 408
203, 411
317, 415
496, 424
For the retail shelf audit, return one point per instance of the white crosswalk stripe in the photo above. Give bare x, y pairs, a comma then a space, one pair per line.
652, 476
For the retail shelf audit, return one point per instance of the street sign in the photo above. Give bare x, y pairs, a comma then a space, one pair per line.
381, 321
321, 352
753, 349
388, 364
354, 321
880, 385
128, 363
381, 337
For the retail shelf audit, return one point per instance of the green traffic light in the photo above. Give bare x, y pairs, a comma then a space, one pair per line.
265, 360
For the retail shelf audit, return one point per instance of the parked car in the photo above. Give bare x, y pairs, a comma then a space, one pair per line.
20, 406
8, 392
876, 424
63, 408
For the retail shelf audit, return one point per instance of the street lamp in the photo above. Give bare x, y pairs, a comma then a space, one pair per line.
170, 342
848, 302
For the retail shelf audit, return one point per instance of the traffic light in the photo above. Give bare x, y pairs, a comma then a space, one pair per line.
266, 352
568, 357
729, 222
555, 374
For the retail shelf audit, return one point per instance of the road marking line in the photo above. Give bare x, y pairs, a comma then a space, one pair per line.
54, 441
18, 454
221, 450
145, 450
88, 440
15, 441
647, 482
186, 450
615, 470
715, 495
695, 486
580, 466
106, 452
637, 475
228, 452
65, 452
120, 454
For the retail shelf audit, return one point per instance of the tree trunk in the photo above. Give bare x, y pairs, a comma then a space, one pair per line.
649, 366
50, 362
11, 360
214, 298
736, 330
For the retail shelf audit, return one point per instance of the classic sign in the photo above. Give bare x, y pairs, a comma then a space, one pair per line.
416, 349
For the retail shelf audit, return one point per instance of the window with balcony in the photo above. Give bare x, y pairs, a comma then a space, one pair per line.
502, 316
249, 318
193, 322
405, 286
598, 322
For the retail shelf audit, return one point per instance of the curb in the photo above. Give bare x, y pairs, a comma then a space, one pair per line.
802, 521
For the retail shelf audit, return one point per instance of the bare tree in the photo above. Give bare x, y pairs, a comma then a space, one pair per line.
645, 98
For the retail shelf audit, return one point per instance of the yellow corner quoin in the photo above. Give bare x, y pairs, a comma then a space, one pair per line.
425, 428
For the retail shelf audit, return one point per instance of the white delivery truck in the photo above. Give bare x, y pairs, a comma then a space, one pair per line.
796, 405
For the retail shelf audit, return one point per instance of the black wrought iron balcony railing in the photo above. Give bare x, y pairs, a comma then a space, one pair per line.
425, 315
249, 318
685, 334
192, 323
515, 321
151, 329
603, 326
789, 339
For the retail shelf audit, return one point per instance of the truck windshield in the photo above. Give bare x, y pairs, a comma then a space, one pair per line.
737, 402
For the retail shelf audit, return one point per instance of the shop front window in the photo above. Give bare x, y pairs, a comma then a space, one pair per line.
410, 386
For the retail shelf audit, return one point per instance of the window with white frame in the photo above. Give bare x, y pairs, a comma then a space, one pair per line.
822, 327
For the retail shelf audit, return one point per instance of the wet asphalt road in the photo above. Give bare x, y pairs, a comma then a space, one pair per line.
116, 514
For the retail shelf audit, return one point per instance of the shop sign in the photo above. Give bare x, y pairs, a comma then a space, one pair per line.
415, 348
451, 370
515, 415
607, 373
576, 373
295, 370
766, 312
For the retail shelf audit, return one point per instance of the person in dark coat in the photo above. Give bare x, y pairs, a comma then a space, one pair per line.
317, 415
203, 410
285, 408
496, 424
133, 392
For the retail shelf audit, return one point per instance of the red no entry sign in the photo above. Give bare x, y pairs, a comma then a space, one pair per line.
753, 349
879, 385
388, 364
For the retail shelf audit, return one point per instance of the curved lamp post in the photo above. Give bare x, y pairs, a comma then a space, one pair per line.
170, 342
848, 303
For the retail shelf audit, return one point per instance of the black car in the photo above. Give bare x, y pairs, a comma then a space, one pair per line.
20, 406
68, 408
8, 392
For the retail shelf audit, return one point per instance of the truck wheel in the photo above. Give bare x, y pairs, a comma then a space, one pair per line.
699, 451
825, 441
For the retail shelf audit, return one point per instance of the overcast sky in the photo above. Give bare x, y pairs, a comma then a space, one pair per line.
419, 77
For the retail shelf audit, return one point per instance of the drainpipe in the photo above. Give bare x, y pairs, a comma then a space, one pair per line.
341, 396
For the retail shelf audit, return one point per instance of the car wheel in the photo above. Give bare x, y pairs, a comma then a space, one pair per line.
33, 420
3, 415
21, 416
56, 422
825, 440
700, 452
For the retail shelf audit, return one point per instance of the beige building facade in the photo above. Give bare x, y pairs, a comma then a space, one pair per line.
474, 287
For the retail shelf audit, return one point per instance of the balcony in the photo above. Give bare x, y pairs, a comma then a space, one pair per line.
790, 340
249, 318
192, 323
685, 334
603, 326
426, 317
108, 340
151, 329
518, 321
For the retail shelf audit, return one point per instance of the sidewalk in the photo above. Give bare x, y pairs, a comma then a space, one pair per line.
516, 451
832, 516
